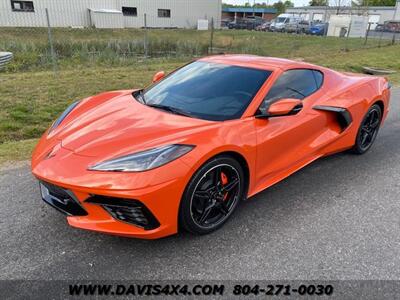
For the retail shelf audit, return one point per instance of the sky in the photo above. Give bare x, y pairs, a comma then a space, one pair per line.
296, 2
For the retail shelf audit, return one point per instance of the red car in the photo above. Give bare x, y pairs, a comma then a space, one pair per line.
185, 151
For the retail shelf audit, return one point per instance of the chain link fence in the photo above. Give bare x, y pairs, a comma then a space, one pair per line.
58, 59
47, 40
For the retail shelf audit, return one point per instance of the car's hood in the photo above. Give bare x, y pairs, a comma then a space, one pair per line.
115, 124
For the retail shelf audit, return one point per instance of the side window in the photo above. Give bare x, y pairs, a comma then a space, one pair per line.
319, 78
297, 84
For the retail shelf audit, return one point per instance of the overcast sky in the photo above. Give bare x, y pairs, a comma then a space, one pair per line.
296, 2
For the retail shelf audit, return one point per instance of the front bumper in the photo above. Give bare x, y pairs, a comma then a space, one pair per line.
158, 192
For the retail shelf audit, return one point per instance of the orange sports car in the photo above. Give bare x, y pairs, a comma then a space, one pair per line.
185, 151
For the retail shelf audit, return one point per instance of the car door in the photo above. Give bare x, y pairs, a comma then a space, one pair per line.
286, 143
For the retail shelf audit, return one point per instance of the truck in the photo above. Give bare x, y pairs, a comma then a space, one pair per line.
278, 24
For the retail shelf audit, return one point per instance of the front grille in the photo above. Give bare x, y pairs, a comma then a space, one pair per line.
127, 210
61, 199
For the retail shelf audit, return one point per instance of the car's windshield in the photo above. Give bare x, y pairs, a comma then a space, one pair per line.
280, 20
207, 90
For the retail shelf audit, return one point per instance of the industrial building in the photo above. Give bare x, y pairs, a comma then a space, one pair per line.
232, 13
109, 13
376, 14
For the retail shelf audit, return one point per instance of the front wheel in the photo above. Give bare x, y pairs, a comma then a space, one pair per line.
368, 129
212, 195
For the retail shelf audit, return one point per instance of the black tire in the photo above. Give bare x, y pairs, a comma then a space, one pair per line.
205, 208
368, 130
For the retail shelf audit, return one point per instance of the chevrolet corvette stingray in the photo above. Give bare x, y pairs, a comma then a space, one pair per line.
183, 152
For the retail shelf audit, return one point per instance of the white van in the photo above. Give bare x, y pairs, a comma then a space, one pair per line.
278, 24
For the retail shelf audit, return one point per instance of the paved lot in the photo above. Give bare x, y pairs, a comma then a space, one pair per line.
336, 219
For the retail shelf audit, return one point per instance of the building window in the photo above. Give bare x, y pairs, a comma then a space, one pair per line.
22, 6
129, 11
164, 13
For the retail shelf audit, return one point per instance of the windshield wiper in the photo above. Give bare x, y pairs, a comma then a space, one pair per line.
139, 95
173, 110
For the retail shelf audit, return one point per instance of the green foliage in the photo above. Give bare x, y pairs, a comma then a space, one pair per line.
375, 2
281, 6
319, 3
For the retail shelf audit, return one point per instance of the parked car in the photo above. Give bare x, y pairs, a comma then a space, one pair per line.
254, 22
225, 23
185, 151
291, 26
392, 26
264, 27
304, 27
249, 23
380, 27
318, 29
297, 26
236, 24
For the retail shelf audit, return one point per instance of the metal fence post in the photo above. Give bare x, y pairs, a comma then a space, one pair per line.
380, 39
367, 33
212, 35
145, 36
52, 52
346, 47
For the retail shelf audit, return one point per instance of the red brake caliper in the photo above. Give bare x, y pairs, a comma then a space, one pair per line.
224, 181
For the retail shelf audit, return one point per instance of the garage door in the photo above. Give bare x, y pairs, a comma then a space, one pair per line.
318, 17
374, 20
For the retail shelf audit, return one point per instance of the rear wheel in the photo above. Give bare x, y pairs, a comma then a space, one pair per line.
368, 129
212, 195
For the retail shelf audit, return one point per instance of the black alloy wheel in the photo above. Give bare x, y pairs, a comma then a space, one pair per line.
212, 195
368, 129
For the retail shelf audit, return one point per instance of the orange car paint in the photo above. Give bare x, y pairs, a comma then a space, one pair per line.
112, 124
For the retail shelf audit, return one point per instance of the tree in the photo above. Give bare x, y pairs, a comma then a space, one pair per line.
375, 2
288, 3
318, 3
281, 6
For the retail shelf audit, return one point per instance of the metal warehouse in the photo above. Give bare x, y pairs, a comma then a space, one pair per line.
109, 13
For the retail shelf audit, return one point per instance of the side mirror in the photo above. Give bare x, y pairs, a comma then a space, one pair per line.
158, 76
285, 107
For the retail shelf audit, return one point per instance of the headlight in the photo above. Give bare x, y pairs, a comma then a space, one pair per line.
63, 115
145, 160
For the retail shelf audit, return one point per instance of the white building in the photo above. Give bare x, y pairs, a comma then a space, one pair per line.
109, 13
376, 14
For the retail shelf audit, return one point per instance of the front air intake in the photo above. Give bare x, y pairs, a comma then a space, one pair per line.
61, 199
127, 210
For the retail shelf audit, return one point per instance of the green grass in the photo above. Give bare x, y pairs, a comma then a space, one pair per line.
30, 101
32, 96
125, 46
16, 151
